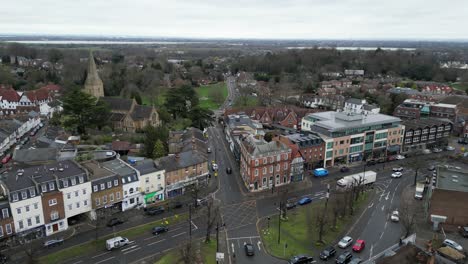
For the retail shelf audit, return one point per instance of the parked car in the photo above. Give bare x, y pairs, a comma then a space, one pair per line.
396, 174
327, 253
228, 170
381, 160
359, 245
426, 151
400, 157
290, 204
304, 201
436, 150
6, 159
463, 230
395, 217
452, 244
397, 169
344, 169
345, 242
463, 141
249, 249
355, 261
177, 205
155, 210
114, 221
159, 230
214, 167
53, 242
391, 158
208, 150
301, 259
371, 162
449, 148
345, 257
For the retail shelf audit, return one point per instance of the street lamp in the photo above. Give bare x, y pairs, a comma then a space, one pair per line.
268, 223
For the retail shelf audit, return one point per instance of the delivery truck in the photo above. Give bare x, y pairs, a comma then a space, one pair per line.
361, 178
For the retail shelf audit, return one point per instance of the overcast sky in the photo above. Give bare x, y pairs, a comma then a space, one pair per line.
278, 19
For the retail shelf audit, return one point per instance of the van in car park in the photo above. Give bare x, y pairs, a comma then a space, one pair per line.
116, 242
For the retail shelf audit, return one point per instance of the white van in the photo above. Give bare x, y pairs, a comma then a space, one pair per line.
116, 242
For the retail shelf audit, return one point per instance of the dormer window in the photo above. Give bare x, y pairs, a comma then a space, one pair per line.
51, 186
44, 188
24, 195
65, 183
32, 192
81, 179
15, 197
73, 181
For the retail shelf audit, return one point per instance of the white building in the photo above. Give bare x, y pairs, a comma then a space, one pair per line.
76, 189
130, 183
152, 181
360, 106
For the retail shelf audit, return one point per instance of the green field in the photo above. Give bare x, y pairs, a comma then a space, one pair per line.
95, 245
207, 253
212, 96
158, 100
300, 231
460, 86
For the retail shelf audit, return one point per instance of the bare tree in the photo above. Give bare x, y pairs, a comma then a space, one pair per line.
194, 191
188, 253
321, 222
416, 164
212, 213
407, 217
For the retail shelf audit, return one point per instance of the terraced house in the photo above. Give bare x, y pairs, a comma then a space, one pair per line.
351, 137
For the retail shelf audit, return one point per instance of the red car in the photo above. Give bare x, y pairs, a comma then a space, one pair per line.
6, 159
359, 245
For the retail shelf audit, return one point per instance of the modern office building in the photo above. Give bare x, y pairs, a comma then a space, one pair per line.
426, 133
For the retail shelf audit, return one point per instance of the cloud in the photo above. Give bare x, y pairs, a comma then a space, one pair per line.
305, 19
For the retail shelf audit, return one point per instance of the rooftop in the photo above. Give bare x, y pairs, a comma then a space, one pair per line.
337, 121
454, 180
182, 160
145, 166
424, 122
119, 167
261, 147
96, 171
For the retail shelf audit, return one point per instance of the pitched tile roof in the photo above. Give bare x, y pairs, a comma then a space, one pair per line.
141, 112
9, 94
118, 104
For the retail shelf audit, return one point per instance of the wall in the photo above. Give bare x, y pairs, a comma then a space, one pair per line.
24, 215
73, 200
107, 194
152, 182
451, 204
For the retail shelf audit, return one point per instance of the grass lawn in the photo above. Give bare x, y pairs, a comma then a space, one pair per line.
460, 86
207, 253
212, 96
246, 101
159, 100
300, 231
99, 244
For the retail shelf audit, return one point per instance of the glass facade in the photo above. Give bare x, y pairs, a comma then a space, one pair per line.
355, 149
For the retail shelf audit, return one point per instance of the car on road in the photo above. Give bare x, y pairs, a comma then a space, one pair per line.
452, 244
344, 169
431, 168
208, 150
320, 172
53, 242
371, 162
356, 261
177, 205
426, 151
304, 201
396, 174
463, 230
290, 204
228, 170
436, 150
157, 230
449, 148
327, 253
6, 159
395, 217
301, 259
400, 157
345, 257
116, 242
359, 245
114, 221
214, 167
397, 169
155, 210
345, 242
249, 249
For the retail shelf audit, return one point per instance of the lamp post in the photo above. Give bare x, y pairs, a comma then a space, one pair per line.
279, 224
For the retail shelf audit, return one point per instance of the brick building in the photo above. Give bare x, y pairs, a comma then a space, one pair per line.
425, 133
311, 147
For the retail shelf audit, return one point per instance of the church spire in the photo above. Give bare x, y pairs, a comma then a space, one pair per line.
93, 84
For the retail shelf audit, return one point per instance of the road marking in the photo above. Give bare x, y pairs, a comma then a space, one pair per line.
174, 229
104, 260
249, 237
386, 197
385, 225
97, 256
371, 249
156, 242
166, 250
372, 204
383, 207
381, 235
77, 262
196, 227
258, 244
131, 251
126, 249
179, 234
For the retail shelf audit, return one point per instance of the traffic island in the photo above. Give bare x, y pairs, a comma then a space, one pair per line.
199, 250
298, 231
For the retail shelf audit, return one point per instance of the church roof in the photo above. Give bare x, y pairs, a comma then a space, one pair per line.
141, 112
92, 78
118, 104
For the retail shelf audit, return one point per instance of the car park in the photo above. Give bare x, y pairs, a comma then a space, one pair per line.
397, 169
304, 201
157, 230
452, 244
114, 221
395, 217
53, 242
345, 257
359, 245
155, 210
249, 249
327, 253
396, 174
345, 242
301, 259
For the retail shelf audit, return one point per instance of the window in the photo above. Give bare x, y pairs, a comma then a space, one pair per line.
98, 202
111, 197
147, 189
104, 199
117, 195
20, 224
147, 179
81, 179
54, 215
77, 204
85, 202
5, 213
256, 162
159, 175
38, 219
15, 197
70, 207
73, 181
68, 195
52, 202
95, 188
408, 140
65, 183
32, 192
278, 158
29, 222
264, 170
109, 184
116, 182
103, 186
264, 160
18, 210
24, 195
271, 169
256, 172
36, 206
125, 193
8, 229
131, 190
51, 186
44, 188
27, 208
123, 179
84, 191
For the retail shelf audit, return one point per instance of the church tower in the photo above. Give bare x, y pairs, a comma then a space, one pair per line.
93, 84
